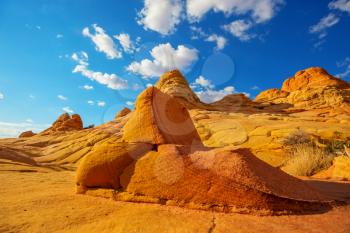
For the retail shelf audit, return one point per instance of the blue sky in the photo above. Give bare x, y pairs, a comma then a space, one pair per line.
94, 57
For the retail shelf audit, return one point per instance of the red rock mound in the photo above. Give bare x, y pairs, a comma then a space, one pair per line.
122, 113
160, 119
232, 179
312, 78
65, 123
27, 134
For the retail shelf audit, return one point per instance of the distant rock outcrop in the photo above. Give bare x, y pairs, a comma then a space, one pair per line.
65, 123
27, 134
312, 88
311, 78
123, 112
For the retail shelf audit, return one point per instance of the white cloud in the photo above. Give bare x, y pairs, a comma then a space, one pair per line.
210, 95
59, 36
68, 110
61, 97
101, 103
203, 82
342, 5
103, 42
259, 10
325, 23
91, 102
255, 88
206, 91
125, 42
165, 58
87, 87
130, 103
29, 120
2, 96
219, 40
11, 129
112, 81
161, 15
346, 65
239, 29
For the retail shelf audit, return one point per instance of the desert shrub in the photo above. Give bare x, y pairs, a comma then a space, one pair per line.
335, 146
296, 138
307, 160
89, 127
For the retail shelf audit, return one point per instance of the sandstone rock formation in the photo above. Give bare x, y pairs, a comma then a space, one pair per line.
159, 119
313, 77
123, 112
312, 88
65, 123
27, 134
175, 85
158, 160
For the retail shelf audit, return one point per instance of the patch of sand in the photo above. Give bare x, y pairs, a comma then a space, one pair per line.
46, 202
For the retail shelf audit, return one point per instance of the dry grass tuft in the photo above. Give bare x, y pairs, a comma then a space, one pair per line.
307, 160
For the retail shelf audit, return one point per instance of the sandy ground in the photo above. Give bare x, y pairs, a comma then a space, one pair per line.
46, 202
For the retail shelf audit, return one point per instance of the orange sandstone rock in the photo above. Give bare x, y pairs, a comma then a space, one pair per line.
103, 165
159, 118
123, 112
271, 94
311, 78
64, 123
27, 134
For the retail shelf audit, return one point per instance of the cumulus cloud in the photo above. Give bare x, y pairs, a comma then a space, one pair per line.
91, 102
219, 40
165, 58
259, 10
61, 97
203, 82
161, 15
87, 87
2, 96
101, 103
68, 110
13, 129
239, 29
341, 5
130, 103
325, 23
103, 42
126, 43
211, 95
112, 81
206, 91
344, 64
198, 33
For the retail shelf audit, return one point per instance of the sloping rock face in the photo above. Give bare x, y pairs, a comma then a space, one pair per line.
312, 78
271, 94
175, 85
157, 159
65, 123
160, 119
312, 88
122, 113
27, 134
